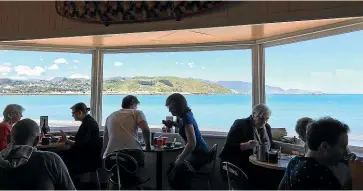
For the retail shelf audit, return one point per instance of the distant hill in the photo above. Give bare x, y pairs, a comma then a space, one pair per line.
163, 85
246, 87
140, 84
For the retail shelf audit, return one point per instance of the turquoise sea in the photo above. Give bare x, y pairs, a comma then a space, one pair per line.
213, 112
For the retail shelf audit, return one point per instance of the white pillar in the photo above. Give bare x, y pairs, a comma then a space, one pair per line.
258, 74
97, 85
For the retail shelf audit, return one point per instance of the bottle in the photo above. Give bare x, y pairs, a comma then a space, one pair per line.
44, 128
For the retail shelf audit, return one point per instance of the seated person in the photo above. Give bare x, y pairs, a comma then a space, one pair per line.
12, 114
195, 153
341, 170
121, 130
23, 167
301, 128
85, 151
244, 135
327, 140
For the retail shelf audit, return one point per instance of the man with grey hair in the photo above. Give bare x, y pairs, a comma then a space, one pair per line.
12, 114
23, 167
244, 135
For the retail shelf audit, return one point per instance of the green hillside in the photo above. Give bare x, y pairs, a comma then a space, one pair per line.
163, 85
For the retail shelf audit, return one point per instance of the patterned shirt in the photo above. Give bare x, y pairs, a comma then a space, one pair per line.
305, 173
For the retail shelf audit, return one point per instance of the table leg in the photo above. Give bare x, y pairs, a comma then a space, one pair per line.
159, 170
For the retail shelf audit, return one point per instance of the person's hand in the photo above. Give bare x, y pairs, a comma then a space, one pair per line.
64, 136
252, 144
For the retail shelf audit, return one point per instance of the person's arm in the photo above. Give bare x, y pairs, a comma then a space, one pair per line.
142, 123
191, 143
105, 139
236, 138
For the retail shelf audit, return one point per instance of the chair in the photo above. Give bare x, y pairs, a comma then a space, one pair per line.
212, 161
235, 176
123, 169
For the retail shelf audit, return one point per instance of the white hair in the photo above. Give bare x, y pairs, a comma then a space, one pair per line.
11, 108
261, 108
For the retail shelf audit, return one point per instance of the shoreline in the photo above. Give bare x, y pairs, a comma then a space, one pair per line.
147, 93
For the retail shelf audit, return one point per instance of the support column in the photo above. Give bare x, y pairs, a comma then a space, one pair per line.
258, 74
97, 85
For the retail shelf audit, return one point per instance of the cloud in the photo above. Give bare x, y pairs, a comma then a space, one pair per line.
118, 64
77, 76
75, 61
203, 67
53, 67
191, 65
7, 64
75, 67
28, 71
60, 61
4, 74
5, 68
41, 59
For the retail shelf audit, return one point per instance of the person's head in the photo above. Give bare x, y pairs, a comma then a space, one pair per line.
328, 139
177, 104
260, 114
130, 102
301, 127
25, 132
79, 111
13, 113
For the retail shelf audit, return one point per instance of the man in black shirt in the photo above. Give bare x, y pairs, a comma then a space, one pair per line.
327, 140
23, 167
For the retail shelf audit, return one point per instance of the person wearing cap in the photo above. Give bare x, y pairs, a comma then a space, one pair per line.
85, 151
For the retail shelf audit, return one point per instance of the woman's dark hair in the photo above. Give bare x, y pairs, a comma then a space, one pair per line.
327, 130
179, 102
128, 101
301, 127
81, 107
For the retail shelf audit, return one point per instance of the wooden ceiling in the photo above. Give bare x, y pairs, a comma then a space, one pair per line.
180, 37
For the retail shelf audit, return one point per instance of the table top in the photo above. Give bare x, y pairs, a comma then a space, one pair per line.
157, 149
280, 165
53, 145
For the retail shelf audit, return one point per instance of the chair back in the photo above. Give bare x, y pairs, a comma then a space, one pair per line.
235, 176
122, 168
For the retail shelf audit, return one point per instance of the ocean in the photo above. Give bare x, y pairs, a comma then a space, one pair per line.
212, 112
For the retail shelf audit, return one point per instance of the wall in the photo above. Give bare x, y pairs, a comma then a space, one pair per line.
32, 20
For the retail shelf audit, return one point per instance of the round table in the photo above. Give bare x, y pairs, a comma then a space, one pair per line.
280, 165
159, 162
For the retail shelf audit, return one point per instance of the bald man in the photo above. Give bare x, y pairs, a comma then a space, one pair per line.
23, 167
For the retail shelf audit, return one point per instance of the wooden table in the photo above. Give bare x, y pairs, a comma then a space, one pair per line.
280, 165
159, 162
53, 146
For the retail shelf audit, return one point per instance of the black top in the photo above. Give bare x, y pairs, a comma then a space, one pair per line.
87, 140
240, 132
304, 173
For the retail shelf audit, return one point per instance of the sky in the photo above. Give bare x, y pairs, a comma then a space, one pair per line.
331, 65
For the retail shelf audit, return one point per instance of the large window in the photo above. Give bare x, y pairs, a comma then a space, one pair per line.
45, 83
217, 84
317, 78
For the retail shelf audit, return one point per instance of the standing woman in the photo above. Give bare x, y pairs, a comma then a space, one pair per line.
195, 153
12, 114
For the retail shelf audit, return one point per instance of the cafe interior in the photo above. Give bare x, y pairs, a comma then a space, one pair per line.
254, 25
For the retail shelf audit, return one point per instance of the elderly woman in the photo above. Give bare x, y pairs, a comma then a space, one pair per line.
301, 128
244, 135
12, 114
195, 153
